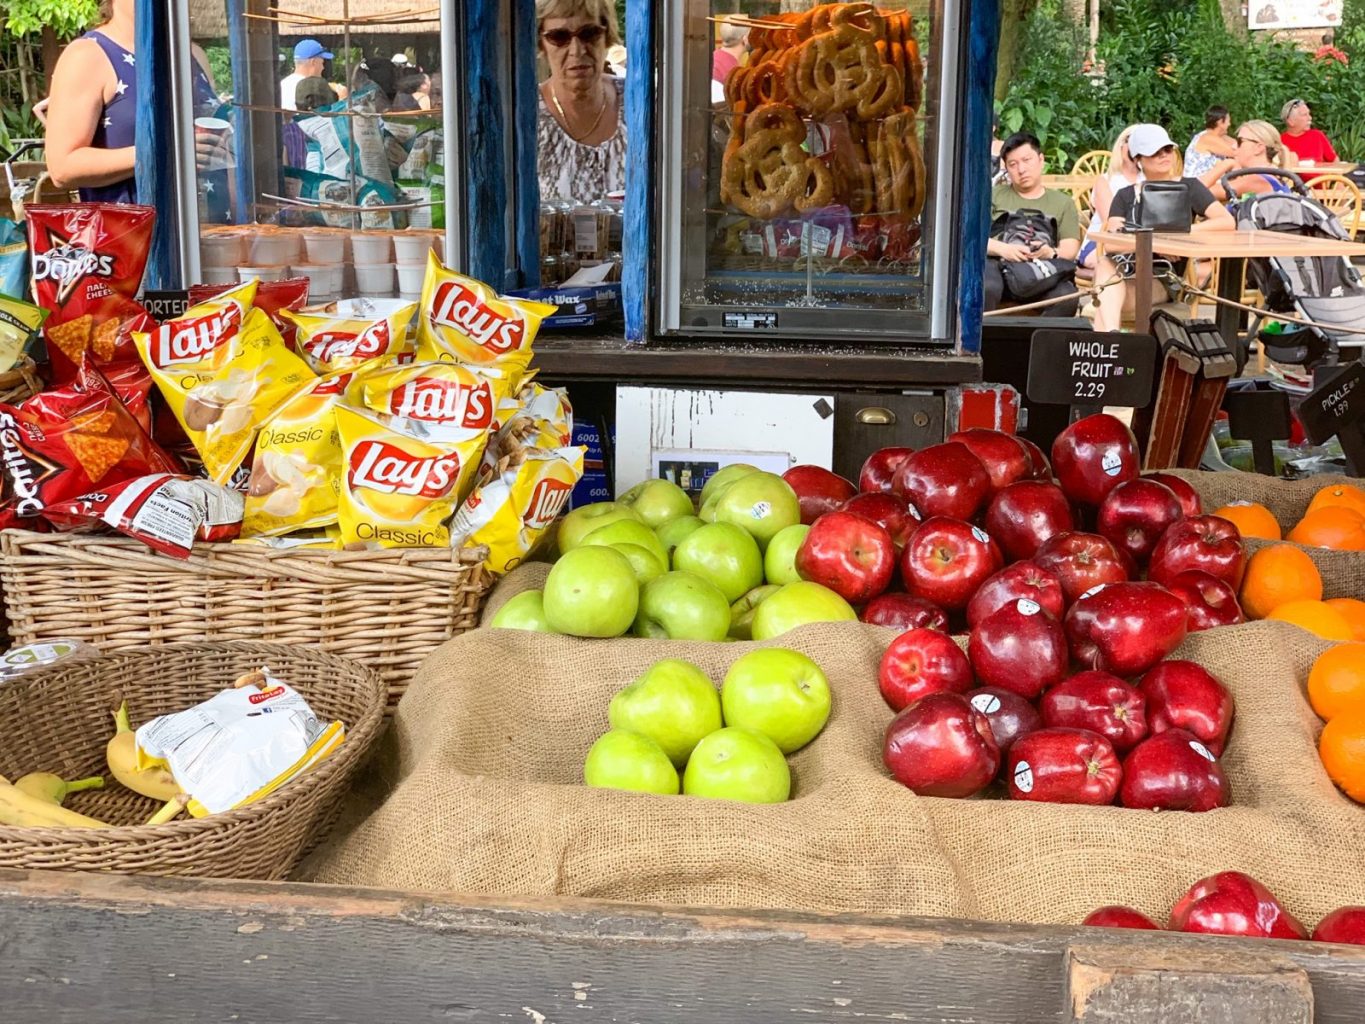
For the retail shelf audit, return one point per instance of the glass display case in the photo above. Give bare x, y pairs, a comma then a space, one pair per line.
809, 191
313, 141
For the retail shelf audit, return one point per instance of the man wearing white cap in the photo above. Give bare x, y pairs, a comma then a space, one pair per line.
310, 60
400, 60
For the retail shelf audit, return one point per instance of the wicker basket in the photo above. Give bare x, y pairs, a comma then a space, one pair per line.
20, 383
57, 719
385, 609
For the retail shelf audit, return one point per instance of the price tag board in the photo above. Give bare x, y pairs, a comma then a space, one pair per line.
1089, 368
1336, 408
166, 305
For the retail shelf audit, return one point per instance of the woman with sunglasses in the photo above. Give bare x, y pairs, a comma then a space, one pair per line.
1158, 160
580, 135
1258, 145
1309, 145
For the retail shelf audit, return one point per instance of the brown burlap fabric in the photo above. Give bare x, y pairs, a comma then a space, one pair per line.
485, 756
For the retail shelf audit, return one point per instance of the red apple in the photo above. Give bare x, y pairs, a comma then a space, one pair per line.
1063, 766
1173, 771
880, 468
1209, 600
1005, 459
1020, 648
1125, 628
1100, 702
1082, 561
1345, 924
850, 555
1010, 715
818, 490
1120, 917
1231, 903
1025, 514
889, 511
1042, 469
1183, 695
904, 612
1135, 514
1189, 497
945, 561
1093, 456
920, 662
941, 746
944, 480
1022, 579
1209, 543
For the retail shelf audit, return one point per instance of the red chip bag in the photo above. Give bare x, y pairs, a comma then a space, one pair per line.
133, 385
105, 339
272, 298
167, 513
87, 258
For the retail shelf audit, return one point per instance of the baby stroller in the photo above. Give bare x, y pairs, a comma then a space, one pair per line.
1325, 289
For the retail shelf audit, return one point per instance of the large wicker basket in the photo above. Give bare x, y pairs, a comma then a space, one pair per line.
57, 719
386, 609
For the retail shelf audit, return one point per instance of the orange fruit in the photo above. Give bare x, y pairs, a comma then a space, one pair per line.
1251, 519
1336, 682
1342, 749
1353, 611
1340, 495
1315, 617
1333, 526
1277, 575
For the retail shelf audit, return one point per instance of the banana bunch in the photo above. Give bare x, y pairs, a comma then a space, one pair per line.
149, 776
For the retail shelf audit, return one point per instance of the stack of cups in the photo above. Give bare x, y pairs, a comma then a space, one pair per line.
324, 266
272, 253
411, 249
372, 256
220, 254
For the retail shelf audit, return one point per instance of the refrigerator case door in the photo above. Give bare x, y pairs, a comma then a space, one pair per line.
813, 194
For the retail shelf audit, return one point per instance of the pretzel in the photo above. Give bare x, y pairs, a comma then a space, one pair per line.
842, 70
765, 84
734, 86
769, 174
914, 78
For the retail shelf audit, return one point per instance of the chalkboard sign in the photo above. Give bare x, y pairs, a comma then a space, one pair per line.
1261, 417
1089, 368
1336, 408
166, 305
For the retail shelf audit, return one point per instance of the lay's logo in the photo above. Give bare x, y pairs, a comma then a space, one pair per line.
547, 501
444, 401
189, 341
369, 343
389, 469
265, 695
459, 307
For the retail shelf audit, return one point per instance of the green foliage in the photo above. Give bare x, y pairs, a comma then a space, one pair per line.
65, 17
18, 122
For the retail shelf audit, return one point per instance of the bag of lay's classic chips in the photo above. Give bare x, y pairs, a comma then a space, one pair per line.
329, 343
465, 321
402, 479
224, 371
511, 512
448, 394
272, 298
538, 417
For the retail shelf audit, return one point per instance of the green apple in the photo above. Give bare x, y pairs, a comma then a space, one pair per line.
658, 502
742, 611
582, 521
674, 703
724, 478
645, 562
627, 531
738, 764
627, 760
591, 591
525, 611
779, 561
682, 606
797, 604
725, 555
762, 503
672, 532
780, 693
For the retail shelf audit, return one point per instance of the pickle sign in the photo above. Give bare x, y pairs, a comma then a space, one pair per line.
1091, 368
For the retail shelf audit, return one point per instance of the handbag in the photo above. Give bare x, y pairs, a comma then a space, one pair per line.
1025, 227
1030, 278
1164, 206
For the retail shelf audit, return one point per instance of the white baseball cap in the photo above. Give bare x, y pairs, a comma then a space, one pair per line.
1148, 139
400, 58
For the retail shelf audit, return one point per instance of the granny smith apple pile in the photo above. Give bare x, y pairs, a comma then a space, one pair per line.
653, 565
730, 744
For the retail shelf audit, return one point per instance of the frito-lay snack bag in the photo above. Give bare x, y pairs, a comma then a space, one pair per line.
465, 321
538, 417
272, 297
446, 394
329, 343
224, 371
402, 479
19, 322
511, 512
167, 513
105, 339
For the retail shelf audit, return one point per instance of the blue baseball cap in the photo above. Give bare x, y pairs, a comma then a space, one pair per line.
309, 48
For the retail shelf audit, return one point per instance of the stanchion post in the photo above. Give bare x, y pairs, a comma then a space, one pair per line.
1142, 280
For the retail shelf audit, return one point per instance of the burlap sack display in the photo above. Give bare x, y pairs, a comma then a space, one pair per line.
485, 759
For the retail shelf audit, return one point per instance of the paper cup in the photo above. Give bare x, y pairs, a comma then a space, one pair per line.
324, 280
275, 249
325, 247
374, 279
223, 251
413, 246
410, 277
245, 274
219, 275
371, 249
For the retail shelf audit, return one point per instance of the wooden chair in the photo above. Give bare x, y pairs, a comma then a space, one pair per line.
1091, 165
1342, 196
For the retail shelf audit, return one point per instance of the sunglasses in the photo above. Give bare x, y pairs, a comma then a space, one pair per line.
1247, 142
1160, 152
588, 35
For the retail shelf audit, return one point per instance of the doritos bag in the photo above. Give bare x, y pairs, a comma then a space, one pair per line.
329, 343
465, 321
105, 338
19, 322
167, 513
272, 298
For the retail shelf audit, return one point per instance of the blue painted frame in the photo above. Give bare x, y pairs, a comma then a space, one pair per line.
485, 163
637, 230
154, 140
982, 47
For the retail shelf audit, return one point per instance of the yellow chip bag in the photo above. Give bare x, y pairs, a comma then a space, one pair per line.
465, 321
329, 343
402, 479
448, 394
512, 512
537, 418
224, 371
296, 473
19, 324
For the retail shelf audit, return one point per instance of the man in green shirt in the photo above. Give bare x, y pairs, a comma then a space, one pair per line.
1023, 159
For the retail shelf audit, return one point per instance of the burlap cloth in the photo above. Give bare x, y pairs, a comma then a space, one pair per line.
483, 761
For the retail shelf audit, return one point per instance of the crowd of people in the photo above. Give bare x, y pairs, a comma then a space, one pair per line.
398, 83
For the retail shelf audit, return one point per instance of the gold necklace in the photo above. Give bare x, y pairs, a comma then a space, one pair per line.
565, 117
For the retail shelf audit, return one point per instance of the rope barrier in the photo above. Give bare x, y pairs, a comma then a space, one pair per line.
1267, 314
1090, 292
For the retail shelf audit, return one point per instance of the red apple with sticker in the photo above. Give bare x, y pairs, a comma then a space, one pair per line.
920, 662
1019, 647
1010, 715
1345, 924
1025, 515
850, 555
1093, 456
1234, 903
1125, 628
1005, 459
944, 480
1182, 489
1185, 695
818, 490
1210, 601
1120, 917
1173, 771
1100, 702
946, 560
1063, 766
941, 746
889, 511
1082, 562
880, 469
1020, 580
1210, 544
1135, 514
901, 611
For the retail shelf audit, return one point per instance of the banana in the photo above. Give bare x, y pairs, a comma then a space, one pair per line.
53, 788
18, 808
172, 809
121, 752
